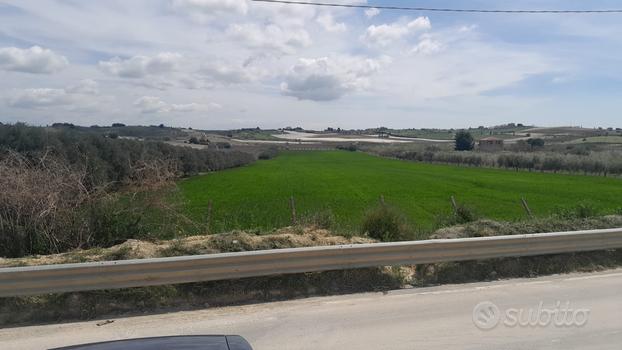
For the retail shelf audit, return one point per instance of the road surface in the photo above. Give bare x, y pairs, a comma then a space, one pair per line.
420, 318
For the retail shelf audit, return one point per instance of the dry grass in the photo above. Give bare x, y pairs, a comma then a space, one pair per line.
237, 241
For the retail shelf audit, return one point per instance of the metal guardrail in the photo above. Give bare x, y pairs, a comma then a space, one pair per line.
16, 281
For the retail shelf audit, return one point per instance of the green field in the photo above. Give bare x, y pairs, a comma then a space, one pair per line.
600, 139
347, 183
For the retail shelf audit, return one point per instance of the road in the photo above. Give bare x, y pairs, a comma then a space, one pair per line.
419, 318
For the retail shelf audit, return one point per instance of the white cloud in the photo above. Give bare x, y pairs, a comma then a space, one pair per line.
33, 60
270, 37
85, 86
226, 74
372, 12
467, 29
460, 67
328, 23
33, 98
211, 6
326, 78
385, 34
83, 95
284, 15
141, 66
427, 46
153, 104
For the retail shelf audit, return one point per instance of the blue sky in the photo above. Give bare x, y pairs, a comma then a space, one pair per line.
234, 63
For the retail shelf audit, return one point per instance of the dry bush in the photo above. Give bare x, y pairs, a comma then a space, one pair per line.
152, 174
38, 204
47, 207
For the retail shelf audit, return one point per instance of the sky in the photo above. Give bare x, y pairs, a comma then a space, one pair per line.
227, 64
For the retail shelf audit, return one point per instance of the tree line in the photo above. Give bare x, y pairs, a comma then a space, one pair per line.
594, 163
109, 160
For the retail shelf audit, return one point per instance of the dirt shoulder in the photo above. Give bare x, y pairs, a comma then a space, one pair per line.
237, 241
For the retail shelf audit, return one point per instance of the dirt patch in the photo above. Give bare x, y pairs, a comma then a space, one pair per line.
486, 228
237, 241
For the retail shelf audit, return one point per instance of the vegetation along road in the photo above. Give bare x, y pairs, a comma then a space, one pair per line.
345, 184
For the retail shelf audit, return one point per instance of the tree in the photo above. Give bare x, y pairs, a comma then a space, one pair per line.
464, 141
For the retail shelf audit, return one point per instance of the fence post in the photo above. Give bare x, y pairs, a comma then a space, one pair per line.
454, 205
292, 205
526, 207
208, 216
382, 199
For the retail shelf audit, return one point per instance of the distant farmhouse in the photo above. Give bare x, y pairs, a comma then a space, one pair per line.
490, 144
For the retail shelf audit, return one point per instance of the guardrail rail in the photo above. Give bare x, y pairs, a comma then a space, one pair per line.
31, 280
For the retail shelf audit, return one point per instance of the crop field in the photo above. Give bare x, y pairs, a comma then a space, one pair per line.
600, 139
348, 183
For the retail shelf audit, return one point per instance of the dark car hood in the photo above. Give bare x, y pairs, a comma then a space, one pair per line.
190, 342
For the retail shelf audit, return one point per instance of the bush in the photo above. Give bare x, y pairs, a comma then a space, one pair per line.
45, 206
579, 211
351, 147
324, 219
465, 214
386, 223
536, 143
223, 145
268, 153
462, 215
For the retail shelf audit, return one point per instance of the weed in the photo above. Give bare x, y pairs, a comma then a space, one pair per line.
385, 223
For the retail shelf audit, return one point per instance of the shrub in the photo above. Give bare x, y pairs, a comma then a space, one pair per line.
462, 215
268, 153
45, 207
536, 143
351, 147
579, 211
38, 205
324, 219
465, 214
385, 223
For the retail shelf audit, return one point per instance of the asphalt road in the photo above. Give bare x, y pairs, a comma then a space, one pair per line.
420, 318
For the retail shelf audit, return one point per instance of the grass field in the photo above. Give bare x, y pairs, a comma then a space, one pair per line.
347, 183
600, 139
